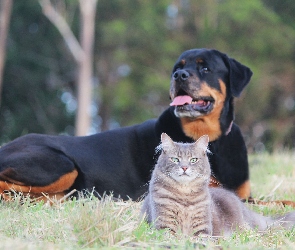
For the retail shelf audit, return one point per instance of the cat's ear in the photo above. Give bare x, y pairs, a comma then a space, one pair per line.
166, 142
203, 142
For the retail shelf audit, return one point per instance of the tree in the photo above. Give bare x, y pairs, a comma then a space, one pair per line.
38, 71
5, 12
133, 60
137, 43
82, 53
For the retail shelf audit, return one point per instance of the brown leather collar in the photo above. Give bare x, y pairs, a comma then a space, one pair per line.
214, 182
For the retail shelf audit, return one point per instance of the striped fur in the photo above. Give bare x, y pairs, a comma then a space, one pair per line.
180, 199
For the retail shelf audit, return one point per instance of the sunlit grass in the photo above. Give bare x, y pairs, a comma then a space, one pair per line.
90, 223
273, 175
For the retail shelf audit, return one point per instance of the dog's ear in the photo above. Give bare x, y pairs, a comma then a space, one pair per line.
239, 76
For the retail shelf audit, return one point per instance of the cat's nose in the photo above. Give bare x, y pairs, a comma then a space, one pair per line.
184, 169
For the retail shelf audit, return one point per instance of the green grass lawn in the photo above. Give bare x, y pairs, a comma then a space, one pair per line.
90, 223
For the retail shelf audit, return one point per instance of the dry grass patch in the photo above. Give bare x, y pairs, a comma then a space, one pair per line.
90, 223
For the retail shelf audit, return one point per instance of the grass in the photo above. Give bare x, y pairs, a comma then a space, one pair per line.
89, 223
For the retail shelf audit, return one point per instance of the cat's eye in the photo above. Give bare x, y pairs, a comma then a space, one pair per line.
193, 160
174, 159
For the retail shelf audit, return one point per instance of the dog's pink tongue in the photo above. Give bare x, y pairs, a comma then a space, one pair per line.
181, 100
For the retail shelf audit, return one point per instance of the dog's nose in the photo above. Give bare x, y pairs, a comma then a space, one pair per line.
180, 74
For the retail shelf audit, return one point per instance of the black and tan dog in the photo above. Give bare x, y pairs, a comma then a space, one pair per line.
203, 86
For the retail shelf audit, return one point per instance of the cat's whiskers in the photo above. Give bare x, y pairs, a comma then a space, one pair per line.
180, 198
161, 178
201, 176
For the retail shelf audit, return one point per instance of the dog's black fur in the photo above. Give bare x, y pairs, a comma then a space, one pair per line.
121, 160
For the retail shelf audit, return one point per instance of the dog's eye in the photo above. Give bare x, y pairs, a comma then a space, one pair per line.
205, 70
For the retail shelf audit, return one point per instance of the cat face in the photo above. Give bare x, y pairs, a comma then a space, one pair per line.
184, 162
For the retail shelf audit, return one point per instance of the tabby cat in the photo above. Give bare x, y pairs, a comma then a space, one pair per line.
180, 199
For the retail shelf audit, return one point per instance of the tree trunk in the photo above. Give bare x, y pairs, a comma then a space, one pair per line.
83, 116
82, 52
5, 13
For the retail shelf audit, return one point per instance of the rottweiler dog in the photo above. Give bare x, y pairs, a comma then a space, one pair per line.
204, 83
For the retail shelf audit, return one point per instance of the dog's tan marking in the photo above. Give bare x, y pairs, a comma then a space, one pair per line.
207, 124
55, 189
244, 191
199, 60
182, 62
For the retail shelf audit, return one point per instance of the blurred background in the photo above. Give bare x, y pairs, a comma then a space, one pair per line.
126, 51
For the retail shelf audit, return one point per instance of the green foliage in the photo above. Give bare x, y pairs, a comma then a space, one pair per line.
273, 172
33, 75
136, 45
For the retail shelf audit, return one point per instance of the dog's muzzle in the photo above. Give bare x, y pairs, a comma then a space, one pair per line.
194, 109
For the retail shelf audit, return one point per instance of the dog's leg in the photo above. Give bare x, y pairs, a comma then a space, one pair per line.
244, 190
55, 190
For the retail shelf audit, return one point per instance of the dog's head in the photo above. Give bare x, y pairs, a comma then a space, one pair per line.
203, 84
